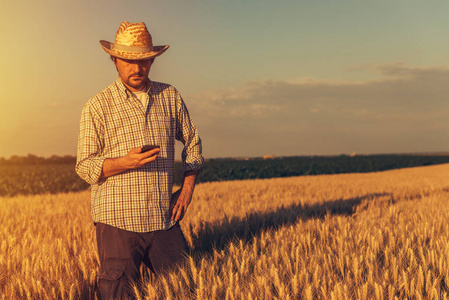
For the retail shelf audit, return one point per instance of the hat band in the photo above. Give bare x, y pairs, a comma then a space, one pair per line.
131, 48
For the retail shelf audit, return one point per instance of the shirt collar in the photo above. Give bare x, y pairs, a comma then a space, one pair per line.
126, 92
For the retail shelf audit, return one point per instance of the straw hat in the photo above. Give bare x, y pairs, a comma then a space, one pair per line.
133, 41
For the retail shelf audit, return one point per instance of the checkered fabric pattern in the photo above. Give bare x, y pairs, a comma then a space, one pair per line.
113, 122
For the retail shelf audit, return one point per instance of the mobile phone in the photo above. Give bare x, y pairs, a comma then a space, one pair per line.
148, 148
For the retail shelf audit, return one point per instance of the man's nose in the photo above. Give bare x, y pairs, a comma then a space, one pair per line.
137, 67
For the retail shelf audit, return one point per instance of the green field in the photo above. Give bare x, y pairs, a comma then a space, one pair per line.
33, 175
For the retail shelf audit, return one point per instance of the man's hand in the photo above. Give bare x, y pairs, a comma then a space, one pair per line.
135, 158
132, 160
182, 197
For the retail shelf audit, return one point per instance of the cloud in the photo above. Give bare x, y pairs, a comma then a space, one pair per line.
405, 110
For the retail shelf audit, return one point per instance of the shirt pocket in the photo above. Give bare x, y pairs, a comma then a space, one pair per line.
161, 132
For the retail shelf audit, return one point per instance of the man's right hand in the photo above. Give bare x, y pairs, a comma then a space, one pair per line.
132, 160
136, 158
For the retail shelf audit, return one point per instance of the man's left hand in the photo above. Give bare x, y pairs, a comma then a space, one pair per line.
182, 197
178, 206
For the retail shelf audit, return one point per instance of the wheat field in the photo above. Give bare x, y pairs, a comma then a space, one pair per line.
352, 236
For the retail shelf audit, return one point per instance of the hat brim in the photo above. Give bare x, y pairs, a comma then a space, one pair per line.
157, 50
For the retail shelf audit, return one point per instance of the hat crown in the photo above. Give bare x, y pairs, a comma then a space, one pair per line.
133, 35
134, 42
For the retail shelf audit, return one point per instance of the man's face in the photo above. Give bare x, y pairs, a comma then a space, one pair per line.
134, 73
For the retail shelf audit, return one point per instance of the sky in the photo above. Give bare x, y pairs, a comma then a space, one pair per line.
318, 77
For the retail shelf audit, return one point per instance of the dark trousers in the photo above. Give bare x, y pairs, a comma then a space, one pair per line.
121, 252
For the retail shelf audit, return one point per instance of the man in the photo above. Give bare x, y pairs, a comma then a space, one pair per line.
126, 152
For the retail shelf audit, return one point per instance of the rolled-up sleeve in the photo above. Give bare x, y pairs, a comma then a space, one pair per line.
89, 161
187, 133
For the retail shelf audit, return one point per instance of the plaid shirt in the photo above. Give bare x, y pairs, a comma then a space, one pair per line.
115, 121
